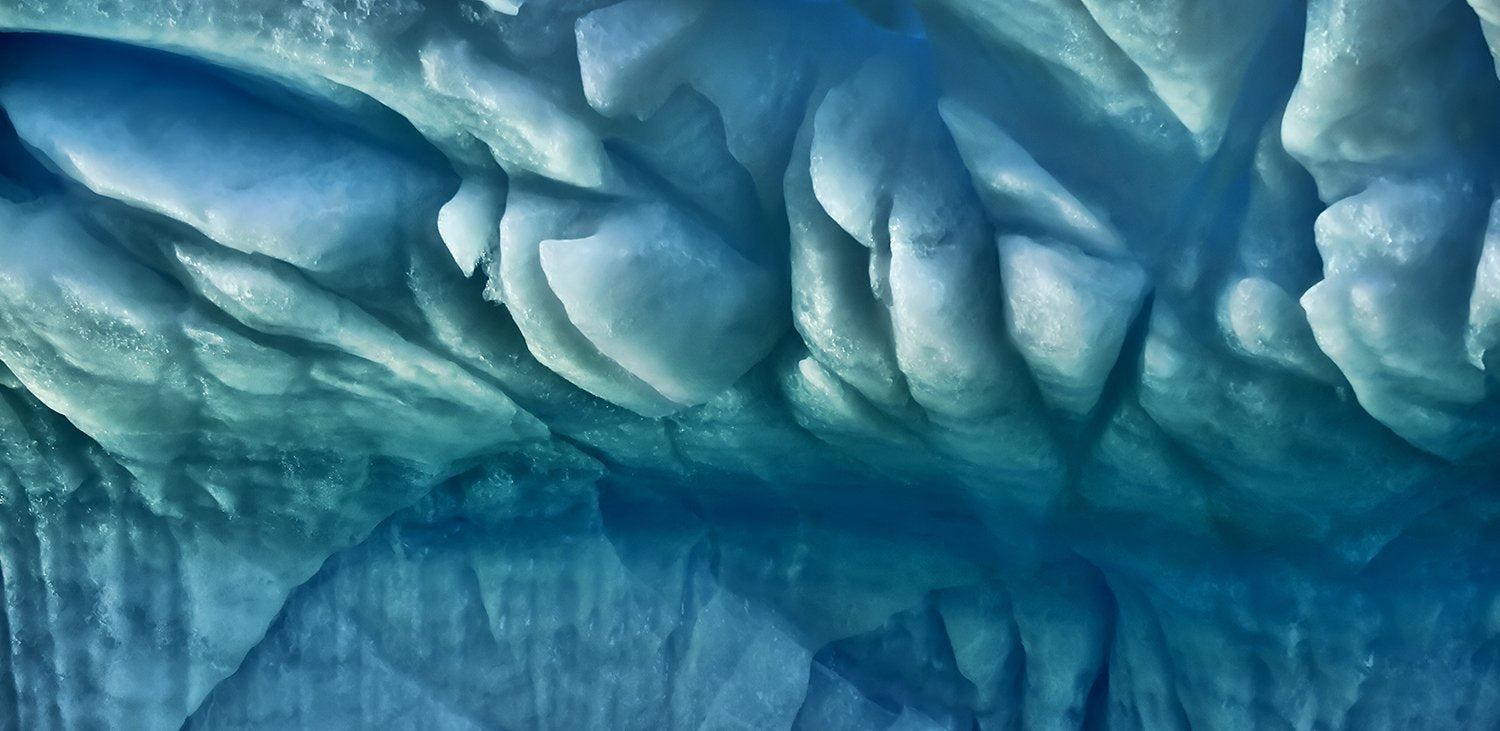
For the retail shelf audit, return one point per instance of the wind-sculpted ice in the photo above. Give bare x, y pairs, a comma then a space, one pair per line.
788, 364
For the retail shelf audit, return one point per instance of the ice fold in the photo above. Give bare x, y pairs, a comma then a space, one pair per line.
251, 178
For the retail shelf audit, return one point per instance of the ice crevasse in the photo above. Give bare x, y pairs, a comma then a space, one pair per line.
749, 364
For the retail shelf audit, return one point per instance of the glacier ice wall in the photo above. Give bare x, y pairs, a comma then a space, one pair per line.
768, 364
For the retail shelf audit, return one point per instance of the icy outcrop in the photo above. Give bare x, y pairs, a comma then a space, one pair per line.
799, 364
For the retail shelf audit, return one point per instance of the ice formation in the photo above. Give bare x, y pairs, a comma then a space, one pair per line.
750, 364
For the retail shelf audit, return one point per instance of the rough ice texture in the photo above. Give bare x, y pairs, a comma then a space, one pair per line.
677, 364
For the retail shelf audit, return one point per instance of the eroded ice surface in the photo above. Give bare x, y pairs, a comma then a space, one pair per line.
774, 364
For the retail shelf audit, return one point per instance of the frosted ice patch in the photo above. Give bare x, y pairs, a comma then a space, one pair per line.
624, 51
470, 222
1195, 53
518, 280
1068, 314
524, 126
667, 300
1391, 311
508, 7
1268, 325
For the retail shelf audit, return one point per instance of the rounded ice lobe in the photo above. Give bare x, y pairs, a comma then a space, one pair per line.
666, 300
249, 176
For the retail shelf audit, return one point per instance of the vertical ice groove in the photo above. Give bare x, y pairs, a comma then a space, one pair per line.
833, 306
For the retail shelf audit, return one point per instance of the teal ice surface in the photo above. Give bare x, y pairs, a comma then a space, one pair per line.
751, 364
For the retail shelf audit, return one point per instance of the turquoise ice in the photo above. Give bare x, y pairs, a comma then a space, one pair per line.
749, 364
